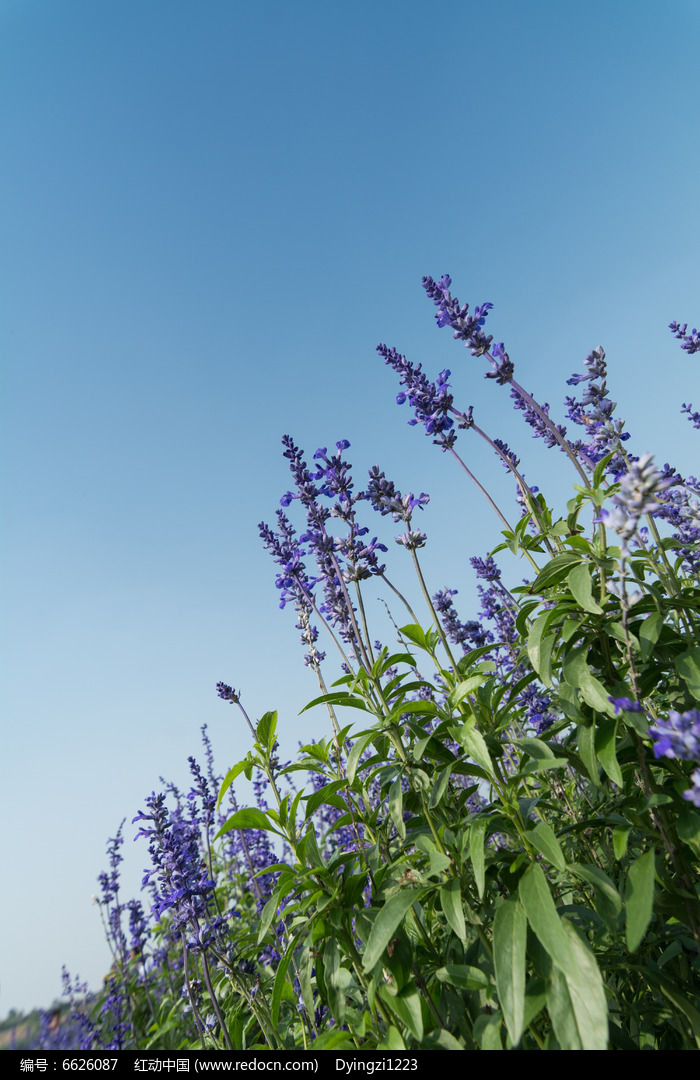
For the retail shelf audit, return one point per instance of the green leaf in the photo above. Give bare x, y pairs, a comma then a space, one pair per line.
438, 788
649, 633
487, 1032
477, 833
561, 1011
540, 646
542, 915
581, 585
544, 839
463, 976
536, 748
451, 903
586, 749
438, 861
248, 818
620, 837
358, 748
578, 674
509, 944
587, 993
473, 742
229, 778
396, 807
280, 978
639, 898
605, 741
414, 633
406, 1006
447, 1041
466, 686
392, 1040
386, 923
339, 697
608, 900
265, 731
688, 667
326, 796
555, 570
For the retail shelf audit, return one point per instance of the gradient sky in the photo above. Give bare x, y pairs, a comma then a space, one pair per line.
210, 214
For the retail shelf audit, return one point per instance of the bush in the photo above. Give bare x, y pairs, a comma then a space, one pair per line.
501, 851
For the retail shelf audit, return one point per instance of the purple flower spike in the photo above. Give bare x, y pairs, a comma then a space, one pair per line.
678, 737
690, 341
467, 328
431, 402
625, 704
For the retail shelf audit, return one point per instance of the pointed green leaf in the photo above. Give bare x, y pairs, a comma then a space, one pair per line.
555, 570
386, 923
544, 839
248, 818
451, 903
438, 860
473, 742
639, 898
608, 902
586, 749
649, 633
540, 645
605, 748
358, 748
392, 1040
688, 667
542, 915
406, 1006
587, 992
280, 977
581, 585
396, 807
509, 942
229, 778
620, 837
265, 731
561, 1011
477, 832
464, 976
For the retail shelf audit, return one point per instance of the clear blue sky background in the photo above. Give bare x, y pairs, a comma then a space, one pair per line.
210, 213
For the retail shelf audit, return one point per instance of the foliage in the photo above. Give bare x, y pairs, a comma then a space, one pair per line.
495, 847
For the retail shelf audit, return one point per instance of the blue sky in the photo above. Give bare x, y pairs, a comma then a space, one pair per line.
210, 215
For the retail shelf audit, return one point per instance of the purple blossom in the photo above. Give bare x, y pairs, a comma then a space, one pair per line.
466, 326
694, 417
183, 888
431, 402
625, 704
541, 429
690, 341
678, 736
639, 490
469, 635
594, 412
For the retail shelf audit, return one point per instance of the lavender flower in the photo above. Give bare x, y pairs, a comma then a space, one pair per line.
638, 494
183, 888
467, 328
678, 737
594, 412
690, 341
469, 635
431, 402
625, 704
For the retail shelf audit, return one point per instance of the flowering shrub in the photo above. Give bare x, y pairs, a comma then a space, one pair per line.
501, 851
